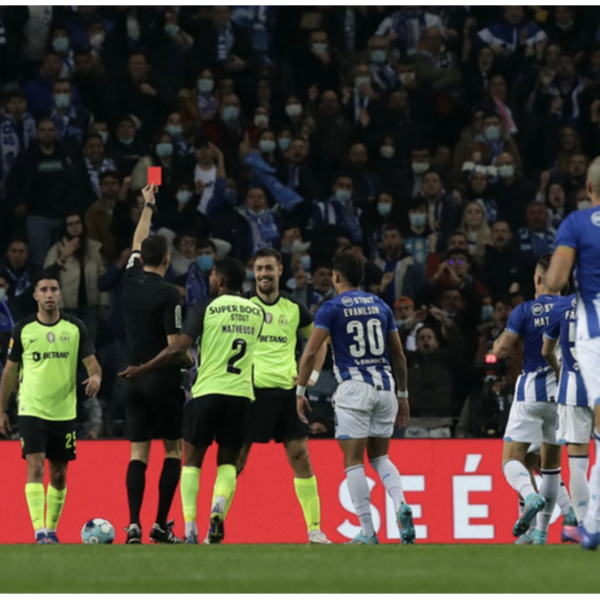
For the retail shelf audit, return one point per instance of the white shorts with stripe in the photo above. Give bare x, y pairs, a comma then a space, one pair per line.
575, 424
531, 423
361, 411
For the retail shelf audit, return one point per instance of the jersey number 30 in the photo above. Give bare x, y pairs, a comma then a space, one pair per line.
239, 347
374, 337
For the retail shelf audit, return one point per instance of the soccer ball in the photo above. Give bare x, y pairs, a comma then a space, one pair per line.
98, 531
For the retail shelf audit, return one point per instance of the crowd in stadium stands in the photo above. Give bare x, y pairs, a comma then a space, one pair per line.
441, 145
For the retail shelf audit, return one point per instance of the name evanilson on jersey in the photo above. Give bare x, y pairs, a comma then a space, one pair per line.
361, 311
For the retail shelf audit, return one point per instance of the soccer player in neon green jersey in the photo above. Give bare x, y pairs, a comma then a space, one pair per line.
44, 353
273, 416
228, 327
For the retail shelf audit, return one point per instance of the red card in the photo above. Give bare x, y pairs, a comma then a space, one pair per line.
155, 175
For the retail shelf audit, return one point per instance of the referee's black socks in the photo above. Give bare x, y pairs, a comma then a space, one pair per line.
167, 485
136, 482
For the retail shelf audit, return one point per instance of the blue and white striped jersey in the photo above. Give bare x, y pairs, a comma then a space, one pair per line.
581, 232
571, 389
358, 324
537, 382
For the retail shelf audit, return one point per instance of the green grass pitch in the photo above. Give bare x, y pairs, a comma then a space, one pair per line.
297, 569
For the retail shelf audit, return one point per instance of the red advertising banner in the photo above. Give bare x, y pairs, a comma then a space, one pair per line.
456, 488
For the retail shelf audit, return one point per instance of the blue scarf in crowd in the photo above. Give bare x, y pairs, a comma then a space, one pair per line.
196, 289
6, 319
264, 173
264, 229
10, 144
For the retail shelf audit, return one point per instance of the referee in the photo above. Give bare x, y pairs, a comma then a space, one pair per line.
153, 405
228, 327
273, 416
44, 353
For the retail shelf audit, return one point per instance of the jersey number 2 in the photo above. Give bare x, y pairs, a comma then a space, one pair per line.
374, 337
239, 347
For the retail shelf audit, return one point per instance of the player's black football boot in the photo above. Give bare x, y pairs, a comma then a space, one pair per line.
158, 535
134, 534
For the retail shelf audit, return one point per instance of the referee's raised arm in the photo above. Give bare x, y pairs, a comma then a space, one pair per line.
143, 227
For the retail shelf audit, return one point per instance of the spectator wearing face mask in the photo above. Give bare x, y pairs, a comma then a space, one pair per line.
386, 157
198, 104
418, 236
174, 127
360, 100
293, 116
196, 285
377, 214
384, 77
492, 142
410, 181
512, 192
125, 146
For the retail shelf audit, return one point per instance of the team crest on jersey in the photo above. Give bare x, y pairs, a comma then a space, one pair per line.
283, 322
596, 219
51, 337
347, 301
268, 318
574, 302
65, 338
537, 310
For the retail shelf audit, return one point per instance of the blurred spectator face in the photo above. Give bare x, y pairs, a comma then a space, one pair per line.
577, 165
289, 236
392, 242
358, 156
565, 69
205, 82
556, 195
398, 102
60, 41
501, 234
321, 279
506, 166
427, 342
187, 246
293, 107
94, 150
564, 16
220, 16
474, 216
551, 54
261, 117
138, 67
225, 87
101, 128
96, 35
419, 160
83, 65
417, 217
319, 41
263, 91
432, 186
498, 87
342, 244
385, 204
460, 264
110, 188
477, 121
451, 302
501, 313
61, 93
568, 139
491, 128
230, 108
403, 310
582, 199
442, 158
479, 182
362, 76
514, 14
206, 265
458, 240
537, 217
432, 40
378, 50
74, 226
329, 104
343, 184
126, 130
485, 58
16, 107
17, 254
184, 193
298, 151
256, 200
46, 133
51, 66
86, 12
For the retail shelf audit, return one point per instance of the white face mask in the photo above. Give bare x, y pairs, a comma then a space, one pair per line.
293, 110
419, 167
506, 171
387, 151
260, 120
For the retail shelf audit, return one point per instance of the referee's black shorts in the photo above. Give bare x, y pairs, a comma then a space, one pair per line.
216, 417
154, 407
55, 439
273, 416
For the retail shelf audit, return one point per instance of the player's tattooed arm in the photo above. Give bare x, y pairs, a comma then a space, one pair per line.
398, 360
9, 381
171, 353
561, 265
504, 343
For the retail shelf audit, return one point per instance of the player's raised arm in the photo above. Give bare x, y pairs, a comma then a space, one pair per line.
400, 371
7, 387
143, 227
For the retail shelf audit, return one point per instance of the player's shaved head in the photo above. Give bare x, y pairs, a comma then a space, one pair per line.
593, 180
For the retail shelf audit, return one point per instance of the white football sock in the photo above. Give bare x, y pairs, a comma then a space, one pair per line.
390, 477
592, 519
580, 490
549, 490
191, 527
518, 478
563, 500
361, 498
